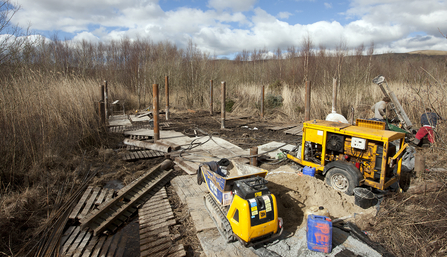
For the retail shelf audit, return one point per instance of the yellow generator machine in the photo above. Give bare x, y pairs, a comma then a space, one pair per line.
241, 205
351, 155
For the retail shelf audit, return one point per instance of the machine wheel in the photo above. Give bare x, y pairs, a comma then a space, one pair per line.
340, 180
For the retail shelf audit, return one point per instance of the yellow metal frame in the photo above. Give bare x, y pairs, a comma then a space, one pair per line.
318, 129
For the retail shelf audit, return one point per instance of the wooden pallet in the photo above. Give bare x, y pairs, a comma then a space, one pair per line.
76, 242
297, 131
142, 154
281, 127
115, 212
90, 200
155, 217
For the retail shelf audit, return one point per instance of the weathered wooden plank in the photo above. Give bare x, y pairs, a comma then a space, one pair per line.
99, 246
155, 213
150, 252
89, 203
298, 130
155, 233
70, 240
67, 234
76, 243
82, 245
177, 250
107, 205
105, 247
121, 246
78, 207
111, 252
145, 227
109, 194
163, 174
149, 243
101, 196
91, 244
281, 127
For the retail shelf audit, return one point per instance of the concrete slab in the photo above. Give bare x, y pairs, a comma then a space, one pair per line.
215, 246
273, 145
342, 243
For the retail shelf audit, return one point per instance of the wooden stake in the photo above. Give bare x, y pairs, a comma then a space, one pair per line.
167, 96
211, 98
155, 111
222, 117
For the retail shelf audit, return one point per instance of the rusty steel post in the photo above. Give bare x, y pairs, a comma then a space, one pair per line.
262, 102
167, 96
222, 117
334, 94
155, 111
254, 159
211, 98
106, 98
101, 113
307, 102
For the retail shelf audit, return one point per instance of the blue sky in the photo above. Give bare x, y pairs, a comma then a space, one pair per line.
225, 27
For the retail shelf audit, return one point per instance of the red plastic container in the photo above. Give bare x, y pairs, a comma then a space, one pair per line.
319, 233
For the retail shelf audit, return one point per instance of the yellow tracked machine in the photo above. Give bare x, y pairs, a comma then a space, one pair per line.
241, 206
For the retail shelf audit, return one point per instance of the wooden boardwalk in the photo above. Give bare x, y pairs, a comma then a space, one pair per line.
297, 131
155, 217
115, 212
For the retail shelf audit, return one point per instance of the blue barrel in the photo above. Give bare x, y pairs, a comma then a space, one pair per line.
310, 171
319, 233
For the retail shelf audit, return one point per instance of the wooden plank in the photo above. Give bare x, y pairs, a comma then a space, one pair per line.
70, 240
99, 246
109, 194
121, 246
88, 250
76, 242
159, 232
82, 245
155, 214
280, 127
105, 247
89, 203
150, 252
149, 243
298, 130
177, 250
145, 227
153, 234
107, 205
101, 196
162, 211
78, 207
67, 234
101, 228
113, 246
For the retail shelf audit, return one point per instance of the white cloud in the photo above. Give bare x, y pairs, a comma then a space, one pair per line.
284, 15
235, 5
227, 27
328, 5
87, 36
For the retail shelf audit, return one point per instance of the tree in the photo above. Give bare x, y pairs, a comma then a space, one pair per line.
12, 38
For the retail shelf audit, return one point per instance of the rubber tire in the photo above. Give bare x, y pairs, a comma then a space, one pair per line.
337, 173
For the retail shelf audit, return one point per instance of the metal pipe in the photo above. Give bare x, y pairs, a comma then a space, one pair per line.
307, 102
222, 117
153, 146
211, 98
167, 96
106, 99
155, 111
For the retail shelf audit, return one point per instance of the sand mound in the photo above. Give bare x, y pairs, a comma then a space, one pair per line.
295, 193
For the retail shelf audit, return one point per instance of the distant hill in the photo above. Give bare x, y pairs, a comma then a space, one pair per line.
429, 52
